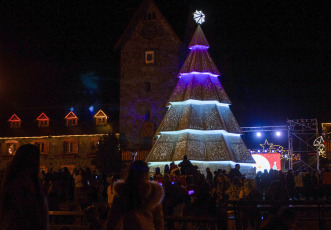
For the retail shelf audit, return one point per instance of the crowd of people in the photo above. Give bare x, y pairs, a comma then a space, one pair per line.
82, 187
185, 184
181, 189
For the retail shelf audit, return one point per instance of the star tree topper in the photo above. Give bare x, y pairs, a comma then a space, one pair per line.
199, 17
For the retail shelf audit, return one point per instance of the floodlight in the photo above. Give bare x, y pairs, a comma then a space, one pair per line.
258, 134
278, 134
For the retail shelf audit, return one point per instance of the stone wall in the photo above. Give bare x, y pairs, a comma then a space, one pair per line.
145, 88
55, 158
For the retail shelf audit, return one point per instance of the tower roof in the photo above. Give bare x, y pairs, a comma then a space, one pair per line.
137, 17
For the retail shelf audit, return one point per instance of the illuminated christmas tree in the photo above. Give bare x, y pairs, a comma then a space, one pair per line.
199, 122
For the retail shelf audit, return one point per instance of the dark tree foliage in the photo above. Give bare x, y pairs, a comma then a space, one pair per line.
108, 159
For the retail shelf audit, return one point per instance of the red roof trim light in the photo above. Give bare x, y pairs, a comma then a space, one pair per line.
14, 118
71, 115
100, 113
42, 117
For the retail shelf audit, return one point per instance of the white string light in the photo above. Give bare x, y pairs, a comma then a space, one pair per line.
319, 144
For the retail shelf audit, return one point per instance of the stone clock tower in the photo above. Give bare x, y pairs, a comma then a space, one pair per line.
149, 66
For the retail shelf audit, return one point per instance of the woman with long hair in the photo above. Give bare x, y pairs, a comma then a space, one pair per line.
23, 204
250, 214
137, 202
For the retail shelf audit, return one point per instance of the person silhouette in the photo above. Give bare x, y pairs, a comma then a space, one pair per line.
23, 204
137, 202
185, 166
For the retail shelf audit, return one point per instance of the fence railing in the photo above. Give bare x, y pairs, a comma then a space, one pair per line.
141, 155
309, 215
68, 219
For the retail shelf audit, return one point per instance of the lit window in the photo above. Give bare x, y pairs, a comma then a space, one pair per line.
15, 124
68, 147
41, 146
43, 123
72, 122
71, 119
100, 118
149, 57
11, 148
43, 120
15, 121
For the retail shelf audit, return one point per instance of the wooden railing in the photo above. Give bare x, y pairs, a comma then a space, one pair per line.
70, 219
142, 155
191, 222
309, 215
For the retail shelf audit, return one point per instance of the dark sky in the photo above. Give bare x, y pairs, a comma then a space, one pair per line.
274, 56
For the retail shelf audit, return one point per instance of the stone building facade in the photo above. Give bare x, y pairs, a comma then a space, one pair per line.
149, 50
68, 142
54, 156
150, 53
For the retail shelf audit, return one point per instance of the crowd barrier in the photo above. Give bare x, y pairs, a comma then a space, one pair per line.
309, 215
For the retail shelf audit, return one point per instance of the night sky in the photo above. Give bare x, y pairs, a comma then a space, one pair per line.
274, 56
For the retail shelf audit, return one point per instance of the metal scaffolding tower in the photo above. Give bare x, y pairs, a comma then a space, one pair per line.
301, 135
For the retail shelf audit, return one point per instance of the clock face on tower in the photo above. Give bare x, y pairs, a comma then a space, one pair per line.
149, 31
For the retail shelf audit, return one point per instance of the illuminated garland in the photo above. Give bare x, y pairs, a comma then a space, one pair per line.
271, 148
319, 143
